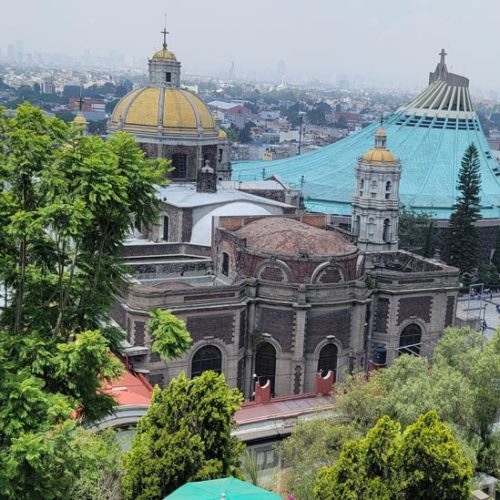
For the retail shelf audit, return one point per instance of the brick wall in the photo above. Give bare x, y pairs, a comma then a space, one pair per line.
220, 326
381, 315
279, 323
450, 311
330, 274
419, 307
139, 332
272, 273
321, 322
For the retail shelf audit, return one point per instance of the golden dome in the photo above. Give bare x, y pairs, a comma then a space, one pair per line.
164, 55
80, 120
379, 155
163, 110
222, 135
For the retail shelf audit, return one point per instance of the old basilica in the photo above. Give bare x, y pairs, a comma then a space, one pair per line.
268, 291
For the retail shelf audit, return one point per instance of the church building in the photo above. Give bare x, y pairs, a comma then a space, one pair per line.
280, 296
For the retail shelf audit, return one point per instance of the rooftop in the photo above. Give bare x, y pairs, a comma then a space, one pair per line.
429, 136
286, 236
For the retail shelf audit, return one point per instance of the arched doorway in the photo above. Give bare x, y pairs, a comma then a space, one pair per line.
328, 360
410, 340
265, 364
206, 358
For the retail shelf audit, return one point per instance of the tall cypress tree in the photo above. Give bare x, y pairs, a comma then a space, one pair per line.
463, 242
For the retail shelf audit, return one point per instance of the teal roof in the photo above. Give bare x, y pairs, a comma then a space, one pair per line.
232, 488
429, 135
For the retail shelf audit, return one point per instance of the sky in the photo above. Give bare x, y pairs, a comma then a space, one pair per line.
387, 41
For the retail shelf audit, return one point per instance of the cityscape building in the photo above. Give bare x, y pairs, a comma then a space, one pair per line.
429, 134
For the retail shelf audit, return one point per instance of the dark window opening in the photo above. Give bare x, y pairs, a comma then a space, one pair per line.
410, 340
328, 360
168, 77
225, 264
206, 358
179, 162
165, 228
265, 364
387, 231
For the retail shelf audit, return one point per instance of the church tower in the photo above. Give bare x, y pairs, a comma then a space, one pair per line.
164, 68
375, 204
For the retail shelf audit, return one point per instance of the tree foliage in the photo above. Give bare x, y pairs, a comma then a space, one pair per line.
423, 462
66, 204
417, 233
462, 385
463, 246
185, 436
169, 334
312, 445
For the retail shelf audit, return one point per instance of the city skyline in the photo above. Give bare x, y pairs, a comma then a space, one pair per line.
315, 40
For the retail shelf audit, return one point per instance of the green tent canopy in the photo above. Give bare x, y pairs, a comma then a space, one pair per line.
228, 488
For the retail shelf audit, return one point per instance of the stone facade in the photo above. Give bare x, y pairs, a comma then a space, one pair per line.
292, 307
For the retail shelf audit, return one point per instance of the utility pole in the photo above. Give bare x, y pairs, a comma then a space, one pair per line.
301, 115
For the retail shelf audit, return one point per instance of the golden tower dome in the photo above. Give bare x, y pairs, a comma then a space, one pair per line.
379, 155
165, 110
80, 120
164, 55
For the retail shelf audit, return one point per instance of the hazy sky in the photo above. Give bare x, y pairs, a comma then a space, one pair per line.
387, 40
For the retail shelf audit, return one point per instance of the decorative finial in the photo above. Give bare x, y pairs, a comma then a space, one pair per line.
165, 33
80, 100
382, 120
443, 54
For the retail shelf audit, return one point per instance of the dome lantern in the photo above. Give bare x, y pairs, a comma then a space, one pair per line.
164, 68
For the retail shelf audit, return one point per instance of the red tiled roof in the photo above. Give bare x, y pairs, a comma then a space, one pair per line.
130, 389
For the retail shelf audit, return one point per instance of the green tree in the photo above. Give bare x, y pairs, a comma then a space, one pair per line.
467, 352
245, 134
185, 436
424, 462
417, 233
431, 463
169, 334
463, 246
312, 445
66, 204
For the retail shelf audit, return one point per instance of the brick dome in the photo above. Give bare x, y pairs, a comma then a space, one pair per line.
283, 236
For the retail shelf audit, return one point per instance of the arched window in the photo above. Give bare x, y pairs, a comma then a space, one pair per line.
206, 358
410, 340
388, 189
179, 162
165, 228
357, 225
361, 187
328, 359
371, 226
225, 264
387, 231
265, 364
373, 189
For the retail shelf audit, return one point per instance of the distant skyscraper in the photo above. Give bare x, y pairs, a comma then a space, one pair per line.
281, 70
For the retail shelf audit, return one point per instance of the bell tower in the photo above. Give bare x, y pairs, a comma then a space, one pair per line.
375, 203
164, 68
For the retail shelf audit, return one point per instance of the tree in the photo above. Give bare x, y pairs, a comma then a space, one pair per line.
463, 246
245, 134
312, 445
466, 352
66, 205
417, 233
170, 336
431, 463
424, 462
185, 436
